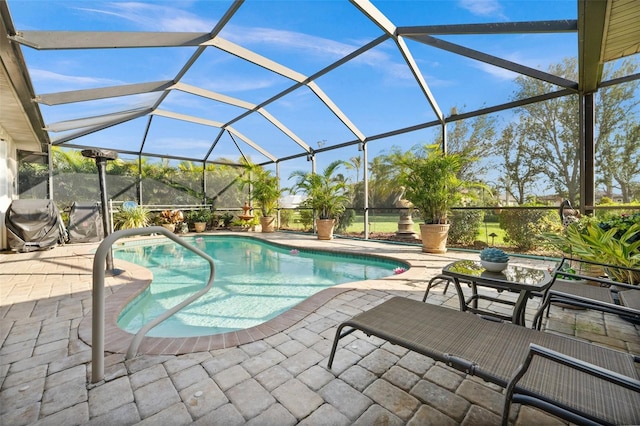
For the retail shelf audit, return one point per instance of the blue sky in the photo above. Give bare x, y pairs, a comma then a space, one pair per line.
376, 90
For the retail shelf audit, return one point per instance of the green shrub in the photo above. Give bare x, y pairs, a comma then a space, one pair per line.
605, 200
622, 223
345, 220
491, 217
306, 218
524, 228
286, 217
464, 226
615, 210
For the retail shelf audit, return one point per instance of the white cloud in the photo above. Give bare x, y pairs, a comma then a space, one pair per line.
316, 46
46, 78
483, 7
226, 84
155, 16
292, 40
497, 72
539, 63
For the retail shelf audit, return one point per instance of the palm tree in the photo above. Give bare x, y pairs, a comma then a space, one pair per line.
355, 163
72, 161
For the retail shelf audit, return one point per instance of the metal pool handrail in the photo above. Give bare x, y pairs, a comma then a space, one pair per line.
97, 324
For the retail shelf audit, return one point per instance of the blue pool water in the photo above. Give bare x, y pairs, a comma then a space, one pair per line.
254, 282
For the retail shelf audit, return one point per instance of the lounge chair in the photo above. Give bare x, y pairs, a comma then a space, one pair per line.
597, 293
575, 380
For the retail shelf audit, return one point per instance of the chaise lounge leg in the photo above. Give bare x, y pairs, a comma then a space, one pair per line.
339, 335
544, 309
434, 282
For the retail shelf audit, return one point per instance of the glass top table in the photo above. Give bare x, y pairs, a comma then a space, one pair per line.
521, 279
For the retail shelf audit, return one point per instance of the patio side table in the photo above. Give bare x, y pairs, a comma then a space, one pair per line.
521, 279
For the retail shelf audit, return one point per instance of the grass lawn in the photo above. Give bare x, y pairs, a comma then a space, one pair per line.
388, 223
492, 227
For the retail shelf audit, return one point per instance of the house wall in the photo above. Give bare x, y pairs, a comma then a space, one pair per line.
8, 180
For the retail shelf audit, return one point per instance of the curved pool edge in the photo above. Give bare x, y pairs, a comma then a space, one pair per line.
117, 340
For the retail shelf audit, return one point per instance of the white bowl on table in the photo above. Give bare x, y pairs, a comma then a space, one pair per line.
494, 266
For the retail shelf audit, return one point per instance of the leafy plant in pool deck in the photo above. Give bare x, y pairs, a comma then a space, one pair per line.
226, 218
594, 244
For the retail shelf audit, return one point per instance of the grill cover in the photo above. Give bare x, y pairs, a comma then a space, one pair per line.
85, 223
34, 225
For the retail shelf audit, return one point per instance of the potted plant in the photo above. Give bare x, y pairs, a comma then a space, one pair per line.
432, 185
131, 217
170, 218
326, 194
200, 218
265, 193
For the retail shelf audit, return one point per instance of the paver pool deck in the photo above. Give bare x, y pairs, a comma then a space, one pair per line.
278, 378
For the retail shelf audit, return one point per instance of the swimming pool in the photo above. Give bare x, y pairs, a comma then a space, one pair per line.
255, 281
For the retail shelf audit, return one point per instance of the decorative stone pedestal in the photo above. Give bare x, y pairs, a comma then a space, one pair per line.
405, 227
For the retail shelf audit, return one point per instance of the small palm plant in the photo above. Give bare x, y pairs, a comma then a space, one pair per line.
325, 193
431, 180
265, 190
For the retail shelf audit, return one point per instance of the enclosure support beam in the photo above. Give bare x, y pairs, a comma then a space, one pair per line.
279, 187
445, 148
587, 167
50, 180
365, 177
139, 179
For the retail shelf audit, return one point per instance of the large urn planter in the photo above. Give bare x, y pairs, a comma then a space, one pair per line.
324, 228
200, 226
268, 223
434, 237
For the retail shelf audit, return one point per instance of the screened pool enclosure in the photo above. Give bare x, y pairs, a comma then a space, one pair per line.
185, 92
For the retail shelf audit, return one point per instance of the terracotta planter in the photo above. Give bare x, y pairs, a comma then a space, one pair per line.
268, 223
324, 227
200, 226
434, 237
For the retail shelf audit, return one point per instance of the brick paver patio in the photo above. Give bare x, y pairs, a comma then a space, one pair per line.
45, 365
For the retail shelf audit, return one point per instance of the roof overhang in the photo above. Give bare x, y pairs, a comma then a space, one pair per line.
607, 30
20, 116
